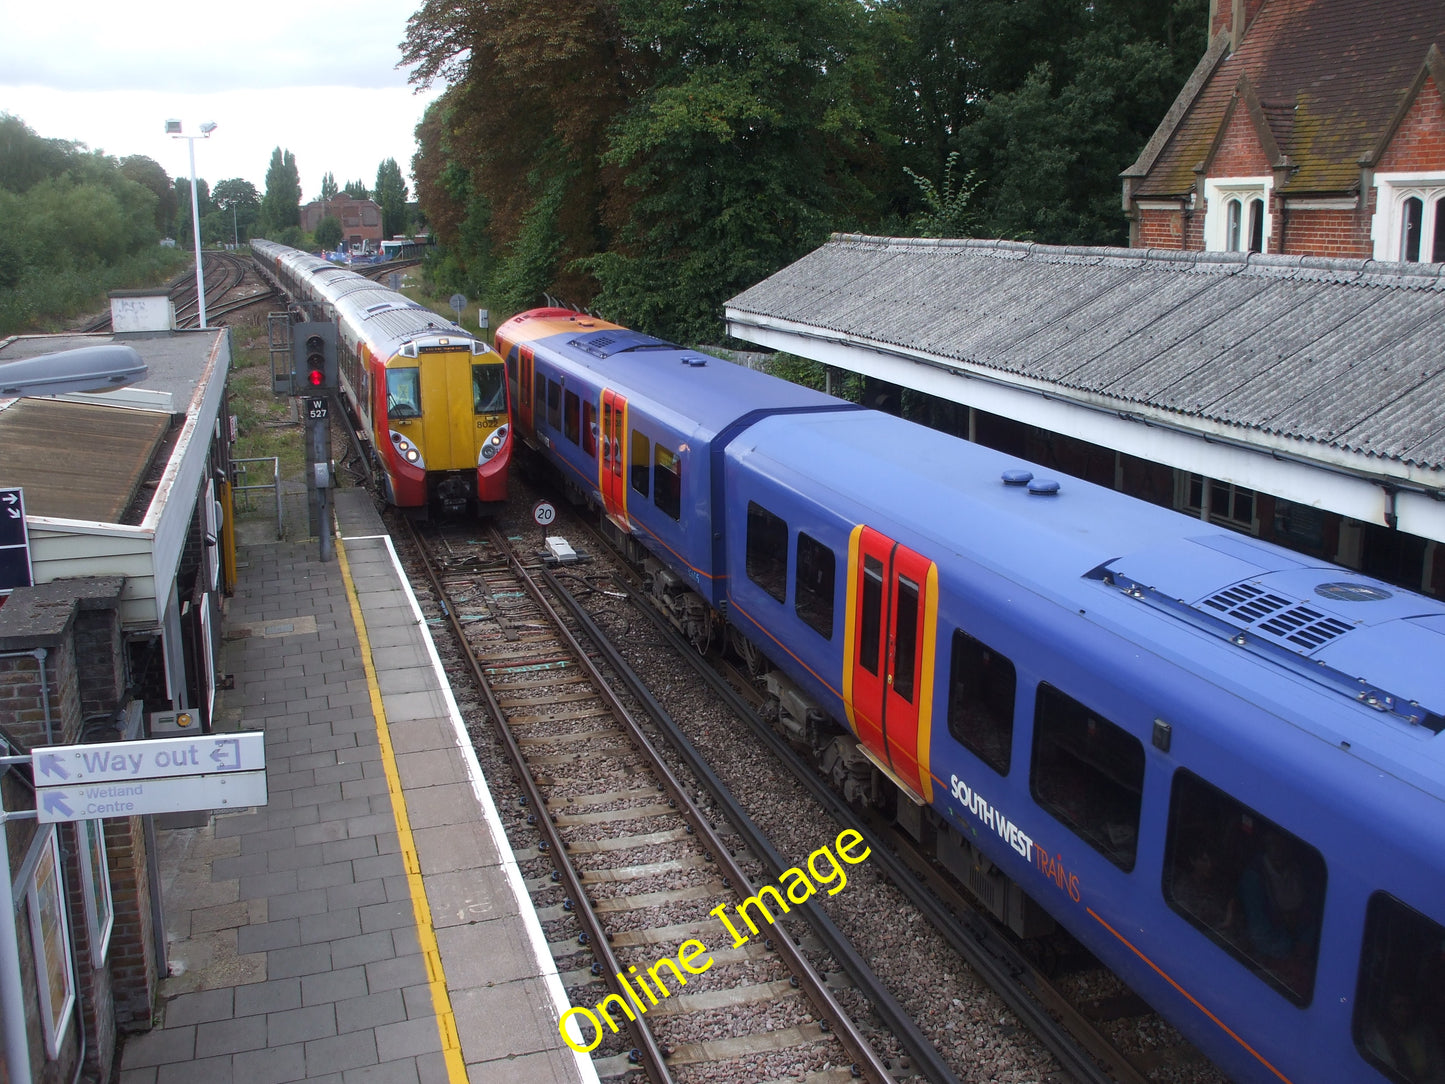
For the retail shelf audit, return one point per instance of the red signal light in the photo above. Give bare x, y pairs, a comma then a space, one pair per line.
316, 377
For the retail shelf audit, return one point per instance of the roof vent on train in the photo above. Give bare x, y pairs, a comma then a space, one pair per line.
604, 344
693, 361
1353, 635
1017, 477
1043, 487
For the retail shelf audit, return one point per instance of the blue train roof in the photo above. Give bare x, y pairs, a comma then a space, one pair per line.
693, 391
1170, 577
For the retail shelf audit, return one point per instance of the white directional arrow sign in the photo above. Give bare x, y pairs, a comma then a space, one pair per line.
231, 790
156, 758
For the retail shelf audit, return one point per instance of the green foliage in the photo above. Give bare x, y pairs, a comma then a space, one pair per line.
281, 205
239, 206
328, 233
703, 145
328, 187
356, 190
391, 198
947, 212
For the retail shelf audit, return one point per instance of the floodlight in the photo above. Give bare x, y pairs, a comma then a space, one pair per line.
173, 127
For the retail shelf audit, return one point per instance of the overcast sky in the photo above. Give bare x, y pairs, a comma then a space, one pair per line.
316, 78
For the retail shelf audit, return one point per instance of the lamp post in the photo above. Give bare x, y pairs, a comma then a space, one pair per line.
173, 129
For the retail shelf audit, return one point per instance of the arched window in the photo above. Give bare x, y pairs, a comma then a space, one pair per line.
1256, 225
1233, 211
1411, 212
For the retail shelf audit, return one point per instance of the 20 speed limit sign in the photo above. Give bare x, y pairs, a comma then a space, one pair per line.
543, 514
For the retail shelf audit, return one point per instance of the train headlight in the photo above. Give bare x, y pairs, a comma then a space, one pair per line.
407, 450
494, 443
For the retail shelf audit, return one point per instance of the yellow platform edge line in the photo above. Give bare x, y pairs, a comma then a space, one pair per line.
421, 908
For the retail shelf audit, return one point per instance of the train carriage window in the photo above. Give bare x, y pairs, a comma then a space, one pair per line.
489, 389
1089, 773
539, 398
813, 587
667, 482
981, 687
403, 393
767, 551
589, 428
1399, 1023
554, 405
641, 462
871, 618
570, 411
1254, 888
905, 639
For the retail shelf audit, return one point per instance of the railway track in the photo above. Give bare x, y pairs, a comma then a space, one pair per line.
641, 872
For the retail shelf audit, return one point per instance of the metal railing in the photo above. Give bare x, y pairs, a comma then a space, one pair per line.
242, 472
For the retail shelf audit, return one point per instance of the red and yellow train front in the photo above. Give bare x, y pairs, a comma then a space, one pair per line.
441, 425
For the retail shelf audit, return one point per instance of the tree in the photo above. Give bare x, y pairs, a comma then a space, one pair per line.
739, 155
391, 197
356, 190
240, 203
328, 187
328, 234
281, 205
26, 158
181, 228
147, 173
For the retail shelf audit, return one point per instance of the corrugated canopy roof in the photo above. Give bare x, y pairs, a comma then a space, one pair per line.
1344, 353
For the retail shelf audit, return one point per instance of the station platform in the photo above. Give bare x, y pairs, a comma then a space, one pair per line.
369, 924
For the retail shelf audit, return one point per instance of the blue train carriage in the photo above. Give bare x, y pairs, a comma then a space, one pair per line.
634, 425
1213, 761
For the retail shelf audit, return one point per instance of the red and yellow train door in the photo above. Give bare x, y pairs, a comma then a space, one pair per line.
523, 400
888, 665
612, 468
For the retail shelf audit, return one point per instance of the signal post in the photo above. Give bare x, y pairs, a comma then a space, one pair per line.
314, 380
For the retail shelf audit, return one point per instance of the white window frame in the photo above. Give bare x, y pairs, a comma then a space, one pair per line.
46, 899
1218, 193
1391, 192
1183, 483
95, 876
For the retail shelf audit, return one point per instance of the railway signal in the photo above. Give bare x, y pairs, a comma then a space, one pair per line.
313, 348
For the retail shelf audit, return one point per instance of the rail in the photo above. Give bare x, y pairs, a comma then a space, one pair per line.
243, 471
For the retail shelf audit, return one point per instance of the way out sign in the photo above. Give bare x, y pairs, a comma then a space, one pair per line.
161, 775
158, 758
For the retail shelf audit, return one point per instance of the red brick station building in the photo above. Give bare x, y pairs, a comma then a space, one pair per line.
1308, 127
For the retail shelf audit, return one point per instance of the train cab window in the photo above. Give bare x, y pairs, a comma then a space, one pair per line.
403, 393
1088, 773
641, 462
667, 482
1254, 888
870, 624
1399, 1023
981, 687
554, 405
813, 588
767, 551
489, 390
570, 410
589, 429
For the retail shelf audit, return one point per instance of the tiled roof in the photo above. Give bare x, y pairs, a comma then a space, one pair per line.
1342, 353
1330, 76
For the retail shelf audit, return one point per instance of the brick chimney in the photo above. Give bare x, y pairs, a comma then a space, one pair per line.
1233, 17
